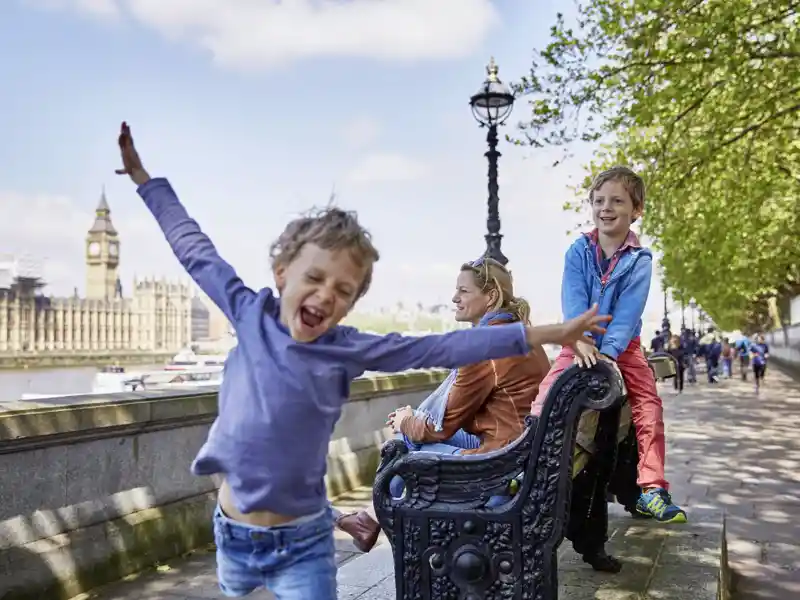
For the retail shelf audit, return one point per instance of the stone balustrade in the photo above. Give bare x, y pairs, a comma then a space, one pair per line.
96, 490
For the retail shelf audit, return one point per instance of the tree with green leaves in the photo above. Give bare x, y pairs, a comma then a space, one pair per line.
702, 97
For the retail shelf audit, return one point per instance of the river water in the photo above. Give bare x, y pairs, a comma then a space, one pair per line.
66, 381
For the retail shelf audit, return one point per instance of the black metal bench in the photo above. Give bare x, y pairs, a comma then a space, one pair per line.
450, 543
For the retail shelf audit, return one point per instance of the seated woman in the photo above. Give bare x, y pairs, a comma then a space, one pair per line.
478, 408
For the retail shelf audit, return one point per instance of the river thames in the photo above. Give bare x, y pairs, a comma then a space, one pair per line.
72, 380
65, 381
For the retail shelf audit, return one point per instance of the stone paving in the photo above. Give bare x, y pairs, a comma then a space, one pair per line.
728, 449
740, 452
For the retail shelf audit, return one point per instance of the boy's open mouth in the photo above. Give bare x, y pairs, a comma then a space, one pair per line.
311, 317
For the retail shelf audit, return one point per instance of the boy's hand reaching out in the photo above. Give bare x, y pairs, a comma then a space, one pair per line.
569, 333
131, 163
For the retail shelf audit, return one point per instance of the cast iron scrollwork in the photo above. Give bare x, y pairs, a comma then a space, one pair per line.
449, 545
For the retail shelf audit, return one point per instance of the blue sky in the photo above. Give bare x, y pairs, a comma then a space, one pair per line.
256, 110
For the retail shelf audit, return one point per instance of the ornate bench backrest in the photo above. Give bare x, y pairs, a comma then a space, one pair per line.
448, 543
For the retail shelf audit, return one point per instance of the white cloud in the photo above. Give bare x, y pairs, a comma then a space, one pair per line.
361, 131
387, 168
262, 34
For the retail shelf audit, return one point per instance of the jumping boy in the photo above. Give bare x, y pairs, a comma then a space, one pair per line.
610, 267
286, 381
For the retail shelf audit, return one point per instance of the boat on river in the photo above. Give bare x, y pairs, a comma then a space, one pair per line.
187, 371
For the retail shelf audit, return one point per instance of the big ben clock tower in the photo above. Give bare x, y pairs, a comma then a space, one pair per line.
102, 255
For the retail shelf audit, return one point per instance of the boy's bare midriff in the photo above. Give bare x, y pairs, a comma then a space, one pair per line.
261, 518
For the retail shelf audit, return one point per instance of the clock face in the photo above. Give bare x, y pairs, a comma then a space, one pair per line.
94, 249
113, 249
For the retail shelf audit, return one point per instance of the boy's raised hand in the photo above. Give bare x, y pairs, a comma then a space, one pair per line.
575, 330
570, 332
131, 163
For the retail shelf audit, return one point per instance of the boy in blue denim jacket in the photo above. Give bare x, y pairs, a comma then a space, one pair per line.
609, 266
287, 379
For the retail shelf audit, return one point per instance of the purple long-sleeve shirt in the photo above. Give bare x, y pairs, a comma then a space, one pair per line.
280, 399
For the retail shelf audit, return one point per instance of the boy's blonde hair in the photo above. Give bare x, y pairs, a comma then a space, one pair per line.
491, 275
331, 229
632, 183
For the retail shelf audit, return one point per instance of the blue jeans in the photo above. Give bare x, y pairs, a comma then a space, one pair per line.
727, 367
293, 561
712, 366
459, 441
692, 368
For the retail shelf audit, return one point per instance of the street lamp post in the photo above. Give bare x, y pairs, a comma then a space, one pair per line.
665, 326
491, 106
683, 313
692, 307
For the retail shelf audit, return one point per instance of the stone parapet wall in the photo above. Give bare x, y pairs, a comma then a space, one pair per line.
784, 347
94, 491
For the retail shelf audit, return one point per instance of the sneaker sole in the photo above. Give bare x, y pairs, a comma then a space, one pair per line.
679, 518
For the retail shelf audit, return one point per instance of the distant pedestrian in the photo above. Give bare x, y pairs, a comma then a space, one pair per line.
657, 343
689, 343
760, 353
712, 350
727, 358
678, 353
743, 352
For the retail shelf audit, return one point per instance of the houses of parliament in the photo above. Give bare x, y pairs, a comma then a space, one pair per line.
156, 317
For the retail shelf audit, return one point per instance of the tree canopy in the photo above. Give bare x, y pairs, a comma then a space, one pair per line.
703, 98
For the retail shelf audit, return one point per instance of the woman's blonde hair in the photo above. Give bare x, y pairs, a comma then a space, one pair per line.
489, 276
674, 342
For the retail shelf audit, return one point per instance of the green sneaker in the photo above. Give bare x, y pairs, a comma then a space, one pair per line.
657, 504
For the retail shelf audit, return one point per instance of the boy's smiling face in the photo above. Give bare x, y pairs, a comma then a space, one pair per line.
613, 210
317, 289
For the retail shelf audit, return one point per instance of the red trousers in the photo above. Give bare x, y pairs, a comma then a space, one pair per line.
648, 412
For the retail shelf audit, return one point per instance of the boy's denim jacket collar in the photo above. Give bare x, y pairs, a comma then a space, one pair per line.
622, 292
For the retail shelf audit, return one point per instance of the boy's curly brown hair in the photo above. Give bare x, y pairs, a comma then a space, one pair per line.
329, 228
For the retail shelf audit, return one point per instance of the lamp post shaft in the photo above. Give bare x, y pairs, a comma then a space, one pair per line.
493, 236
665, 326
683, 314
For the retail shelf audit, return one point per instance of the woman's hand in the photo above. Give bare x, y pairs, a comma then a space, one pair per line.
131, 163
586, 355
397, 417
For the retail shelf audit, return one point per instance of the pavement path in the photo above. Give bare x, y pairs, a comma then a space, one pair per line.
733, 449
727, 448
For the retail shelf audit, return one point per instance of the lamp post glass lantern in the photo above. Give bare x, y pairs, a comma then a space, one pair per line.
491, 106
